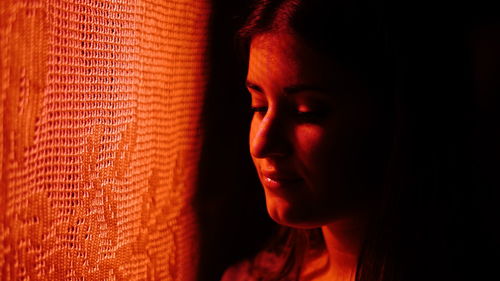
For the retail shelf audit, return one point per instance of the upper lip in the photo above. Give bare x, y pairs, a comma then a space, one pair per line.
279, 176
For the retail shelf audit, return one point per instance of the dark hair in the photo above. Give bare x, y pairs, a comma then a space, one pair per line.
353, 35
423, 189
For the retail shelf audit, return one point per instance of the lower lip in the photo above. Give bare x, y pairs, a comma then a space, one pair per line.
278, 184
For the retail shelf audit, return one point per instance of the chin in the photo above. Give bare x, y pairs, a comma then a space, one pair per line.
288, 214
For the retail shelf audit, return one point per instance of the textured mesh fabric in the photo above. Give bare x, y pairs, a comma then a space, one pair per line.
99, 138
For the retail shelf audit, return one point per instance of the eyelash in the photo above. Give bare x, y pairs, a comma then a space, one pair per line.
311, 116
302, 116
260, 109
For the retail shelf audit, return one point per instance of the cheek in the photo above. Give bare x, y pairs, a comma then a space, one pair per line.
324, 155
313, 146
308, 139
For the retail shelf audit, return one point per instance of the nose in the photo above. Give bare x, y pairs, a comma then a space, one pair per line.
269, 137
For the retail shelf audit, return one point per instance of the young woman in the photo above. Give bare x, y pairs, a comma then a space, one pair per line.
334, 139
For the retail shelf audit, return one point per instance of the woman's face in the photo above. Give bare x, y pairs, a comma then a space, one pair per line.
315, 135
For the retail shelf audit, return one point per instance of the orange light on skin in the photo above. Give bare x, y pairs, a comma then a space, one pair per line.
308, 143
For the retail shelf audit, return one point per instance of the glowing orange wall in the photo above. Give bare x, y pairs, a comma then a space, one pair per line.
99, 138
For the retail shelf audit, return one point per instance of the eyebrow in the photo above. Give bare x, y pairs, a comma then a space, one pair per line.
290, 90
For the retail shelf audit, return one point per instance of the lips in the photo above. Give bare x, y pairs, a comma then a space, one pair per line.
274, 179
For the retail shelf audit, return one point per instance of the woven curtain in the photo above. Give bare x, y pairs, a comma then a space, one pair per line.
100, 138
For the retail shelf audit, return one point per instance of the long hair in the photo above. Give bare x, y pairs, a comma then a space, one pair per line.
416, 231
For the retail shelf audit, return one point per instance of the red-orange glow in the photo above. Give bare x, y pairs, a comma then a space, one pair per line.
99, 138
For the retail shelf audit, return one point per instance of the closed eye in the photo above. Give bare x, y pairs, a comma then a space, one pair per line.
259, 109
311, 116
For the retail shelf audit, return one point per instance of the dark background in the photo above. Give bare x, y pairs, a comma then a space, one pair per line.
452, 75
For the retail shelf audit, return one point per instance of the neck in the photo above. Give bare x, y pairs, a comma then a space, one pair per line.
343, 241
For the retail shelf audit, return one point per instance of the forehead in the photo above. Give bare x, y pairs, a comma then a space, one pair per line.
283, 58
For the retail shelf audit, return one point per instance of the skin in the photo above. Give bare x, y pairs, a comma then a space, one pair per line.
315, 141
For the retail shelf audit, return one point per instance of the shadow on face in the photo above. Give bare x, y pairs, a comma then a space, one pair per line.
319, 136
